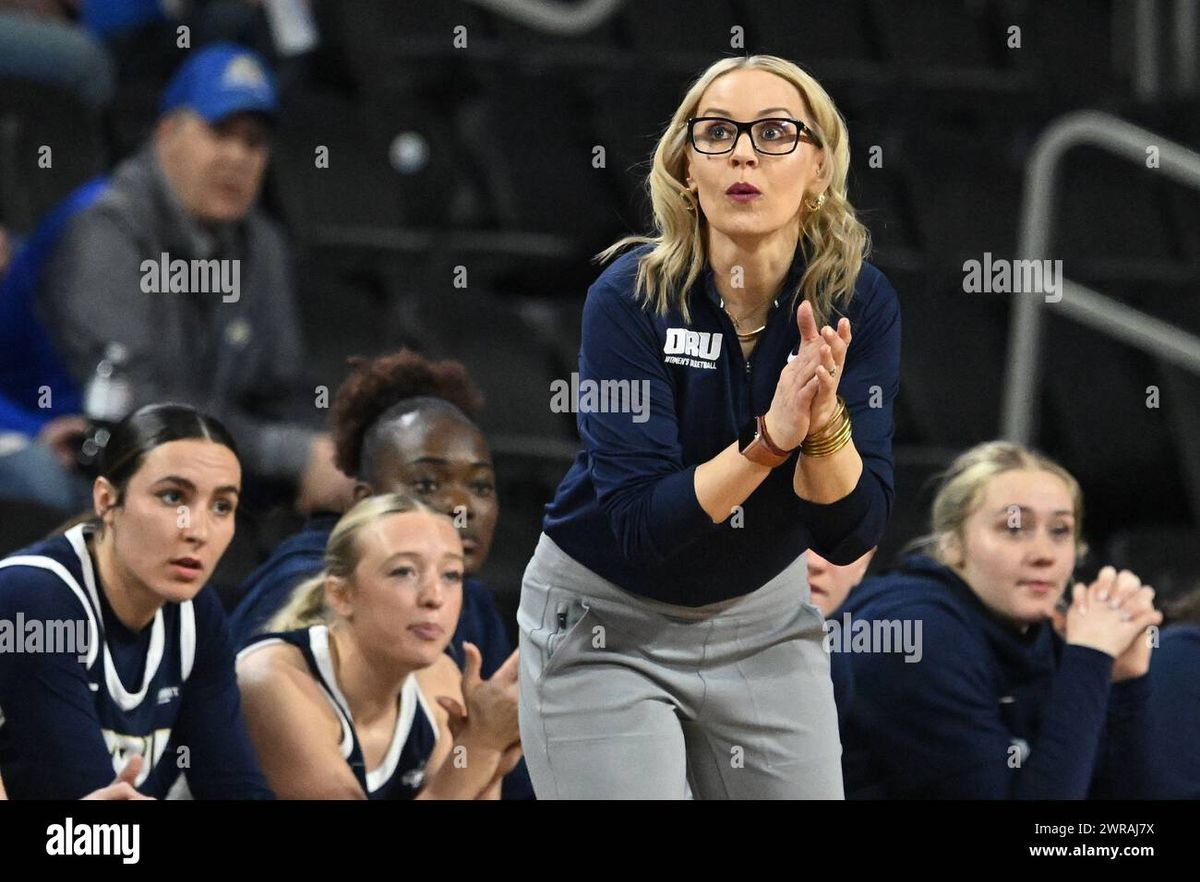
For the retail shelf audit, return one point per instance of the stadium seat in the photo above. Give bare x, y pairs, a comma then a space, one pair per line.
601, 46
1096, 421
392, 163
23, 523
1110, 210
916, 470
685, 37
1164, 556
814, 33
535, 139
34, 117
925, 36
1068, 44
512, 365
953, 357
384, 44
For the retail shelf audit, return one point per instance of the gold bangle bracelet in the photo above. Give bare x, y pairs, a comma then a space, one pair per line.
832, 427
829, 446
825, 436
830, 451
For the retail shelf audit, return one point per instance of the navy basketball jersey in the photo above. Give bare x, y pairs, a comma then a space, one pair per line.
136, 680
402, 772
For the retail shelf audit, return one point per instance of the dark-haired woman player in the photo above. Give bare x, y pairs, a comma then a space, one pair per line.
400, 423
154, 676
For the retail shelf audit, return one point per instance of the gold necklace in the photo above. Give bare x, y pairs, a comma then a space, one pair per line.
737, 326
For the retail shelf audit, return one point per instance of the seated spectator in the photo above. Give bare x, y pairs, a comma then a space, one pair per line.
830, 585
144, 665
175, 265
997, 702
340, 698
41, 426
403, 423
1175, 703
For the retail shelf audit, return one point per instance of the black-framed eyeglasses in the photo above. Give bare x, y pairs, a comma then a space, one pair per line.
773, 136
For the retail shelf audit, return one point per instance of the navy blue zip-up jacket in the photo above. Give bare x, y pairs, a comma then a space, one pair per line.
1175, 713
70, 718
987, 712
627, 509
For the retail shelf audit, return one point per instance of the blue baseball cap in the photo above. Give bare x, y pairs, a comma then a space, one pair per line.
220, 80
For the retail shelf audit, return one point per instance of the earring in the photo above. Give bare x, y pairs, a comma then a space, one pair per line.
816, 206
691, 199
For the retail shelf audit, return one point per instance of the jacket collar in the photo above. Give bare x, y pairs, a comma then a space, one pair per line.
1019, 649
790, 281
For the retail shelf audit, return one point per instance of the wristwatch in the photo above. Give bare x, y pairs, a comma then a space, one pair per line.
756, 445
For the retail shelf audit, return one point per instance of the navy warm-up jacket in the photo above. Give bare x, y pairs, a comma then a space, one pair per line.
1175, 713
72, 716
987, 711
627, 508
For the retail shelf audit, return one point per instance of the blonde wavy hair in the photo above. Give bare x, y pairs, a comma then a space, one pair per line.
961, 488
306, 604
833, 241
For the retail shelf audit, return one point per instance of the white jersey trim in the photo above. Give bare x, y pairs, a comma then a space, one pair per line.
125, 699
318, 643
410, 699
257, 644
49, 563
187, 640
379, 776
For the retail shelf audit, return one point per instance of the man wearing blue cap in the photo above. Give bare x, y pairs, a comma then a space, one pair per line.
174, 263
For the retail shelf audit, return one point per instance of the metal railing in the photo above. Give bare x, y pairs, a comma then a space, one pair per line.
1082, 304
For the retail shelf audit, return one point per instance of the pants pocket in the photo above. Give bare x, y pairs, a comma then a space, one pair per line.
570, 625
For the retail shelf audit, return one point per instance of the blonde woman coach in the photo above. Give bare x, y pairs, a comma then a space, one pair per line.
667, 633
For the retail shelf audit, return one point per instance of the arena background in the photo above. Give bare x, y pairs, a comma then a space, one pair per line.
485, 156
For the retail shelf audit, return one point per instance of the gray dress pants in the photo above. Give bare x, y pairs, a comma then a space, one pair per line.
622, 697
